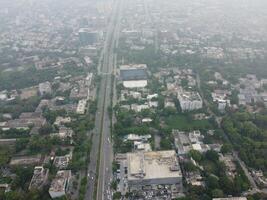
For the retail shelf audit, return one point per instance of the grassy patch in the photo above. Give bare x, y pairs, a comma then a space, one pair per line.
182, 122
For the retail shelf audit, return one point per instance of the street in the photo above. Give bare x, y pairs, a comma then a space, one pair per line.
101, 156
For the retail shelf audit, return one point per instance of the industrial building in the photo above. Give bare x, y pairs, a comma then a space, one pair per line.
59, 185
152, 168
134, 76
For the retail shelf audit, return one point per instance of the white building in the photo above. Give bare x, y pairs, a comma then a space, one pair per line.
189, 101
65, 132
45, 88
139, 108
222, 105
134, 76
62, 120
153, 168
81, 106
59, 185
135, 84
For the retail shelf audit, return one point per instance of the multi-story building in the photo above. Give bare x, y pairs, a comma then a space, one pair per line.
189, 101
39, 177
59, 186
88, 37
152, 168
134, 76
45, 88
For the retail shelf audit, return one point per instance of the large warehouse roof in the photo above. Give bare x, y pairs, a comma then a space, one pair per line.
153, 165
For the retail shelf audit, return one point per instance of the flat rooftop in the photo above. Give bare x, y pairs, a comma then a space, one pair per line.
133, 74
26, 160
133, 66
60, 181
189, 96
153, 165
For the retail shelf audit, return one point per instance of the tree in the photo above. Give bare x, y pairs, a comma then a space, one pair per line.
45, 129
226, 185
117, 195
15, 195
212, 155
114, 185
226, 148
196, 155
4, 156
184, 82
24, 175
190, 167
212, 182
21, 144
166, 143
217, 193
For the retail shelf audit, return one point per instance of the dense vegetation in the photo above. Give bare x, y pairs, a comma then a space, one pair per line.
249, 136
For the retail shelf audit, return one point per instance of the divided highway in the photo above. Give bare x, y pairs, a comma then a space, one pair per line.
100, 166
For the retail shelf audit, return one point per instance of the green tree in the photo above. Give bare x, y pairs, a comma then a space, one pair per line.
196, 155
212, 155
217, 193
226, 148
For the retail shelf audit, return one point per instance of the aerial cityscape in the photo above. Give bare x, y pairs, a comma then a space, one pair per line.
133, 100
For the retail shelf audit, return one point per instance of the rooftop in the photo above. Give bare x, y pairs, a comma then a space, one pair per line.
189, 96
39, 177
133, 72
60, 181
62, 162
153, 165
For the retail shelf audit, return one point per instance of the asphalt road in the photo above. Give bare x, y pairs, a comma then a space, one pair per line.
101, 141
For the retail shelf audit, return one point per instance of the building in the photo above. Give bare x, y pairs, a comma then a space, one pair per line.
45, 88
60, 184
184, 142
260, 178
26, 160
88, 51
134, 76
65, 132
5, 187
39, 177
61, 162
25, 121
189, 101
8, 141
81, 107
230, 165
248, 96
194, 178
89, 37
152, 168
139, 108
134, 137
62, 120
